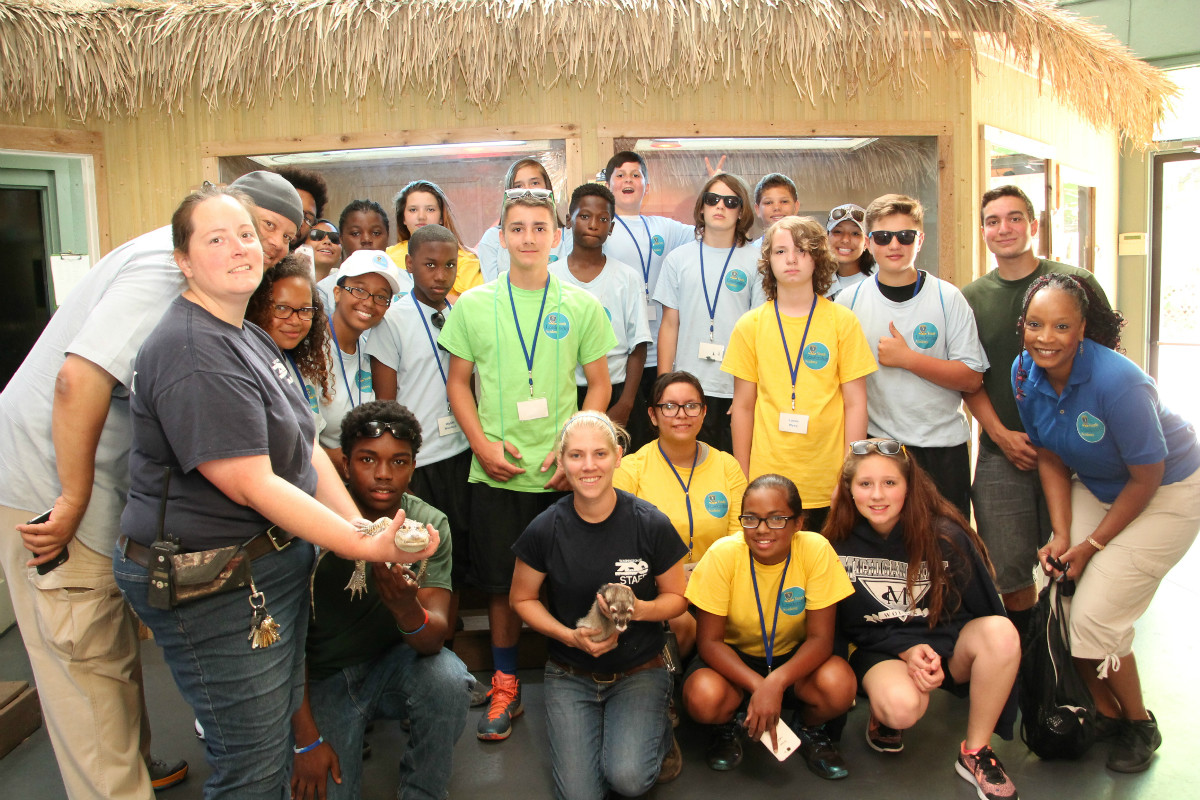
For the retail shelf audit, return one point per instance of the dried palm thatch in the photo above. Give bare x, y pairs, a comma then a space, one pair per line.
104, 58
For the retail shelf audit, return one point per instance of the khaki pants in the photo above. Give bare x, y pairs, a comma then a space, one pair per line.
82, 643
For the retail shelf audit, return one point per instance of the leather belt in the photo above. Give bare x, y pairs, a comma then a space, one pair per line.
611, 677
271, 540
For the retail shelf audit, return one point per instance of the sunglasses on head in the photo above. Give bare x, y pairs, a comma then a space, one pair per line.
316, 234
885, 447
842, 212
884, 238
517, 194
376, 428
731, 201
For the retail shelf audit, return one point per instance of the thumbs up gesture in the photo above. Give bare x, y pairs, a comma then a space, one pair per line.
893, 350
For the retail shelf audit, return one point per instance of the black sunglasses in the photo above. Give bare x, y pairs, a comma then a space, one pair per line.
316, 234
731, 201
376, 428
438, 319
884, 238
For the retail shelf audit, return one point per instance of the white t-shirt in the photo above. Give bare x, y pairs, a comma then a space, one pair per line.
351, 388
843, 282
619, 290
493, 259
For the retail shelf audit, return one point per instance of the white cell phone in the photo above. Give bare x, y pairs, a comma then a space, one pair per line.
787, 742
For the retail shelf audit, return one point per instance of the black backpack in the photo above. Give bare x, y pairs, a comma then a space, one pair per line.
1058, 716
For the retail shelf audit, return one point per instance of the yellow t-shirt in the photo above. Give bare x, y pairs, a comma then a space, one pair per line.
721, 585
469, 274
715, 491
835, 352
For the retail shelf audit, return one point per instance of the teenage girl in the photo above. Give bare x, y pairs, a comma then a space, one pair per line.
848, 240
524, 173
422, 203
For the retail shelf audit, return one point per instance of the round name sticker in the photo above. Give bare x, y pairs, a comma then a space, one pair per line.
608, 314
1091, 429
816, 355
925, 335
311, 394
658, 245
553, 257
735, 280
556, 325
717, 504
363, 381
792, 601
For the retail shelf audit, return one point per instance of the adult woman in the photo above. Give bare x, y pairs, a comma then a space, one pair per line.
524, 173
742, 582
326, 245
606, 701
925, 612
1132, 508
214, 409
848, 241
422, 203
698, 487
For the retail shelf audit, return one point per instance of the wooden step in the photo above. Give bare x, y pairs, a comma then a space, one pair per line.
20, 714
473, 644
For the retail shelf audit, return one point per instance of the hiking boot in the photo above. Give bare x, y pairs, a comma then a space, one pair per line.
883, 739
164, 775
725, 748
1134, 747
496, 723
820, 753
986, 772
672, 763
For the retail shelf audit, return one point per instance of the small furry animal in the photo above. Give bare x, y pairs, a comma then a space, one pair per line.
620, 599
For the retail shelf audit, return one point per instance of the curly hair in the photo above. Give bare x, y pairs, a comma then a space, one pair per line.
306, 180
1101, 324
312, 353
364, 206
745, 214
380, 411
927, 520
808, 235
592, 190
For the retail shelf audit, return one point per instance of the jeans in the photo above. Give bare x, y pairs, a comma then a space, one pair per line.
244, 698
606, 736
433, 692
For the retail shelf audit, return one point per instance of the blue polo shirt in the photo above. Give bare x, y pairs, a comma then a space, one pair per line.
1108, 416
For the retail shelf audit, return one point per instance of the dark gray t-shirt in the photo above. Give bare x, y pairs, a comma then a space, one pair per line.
205, 390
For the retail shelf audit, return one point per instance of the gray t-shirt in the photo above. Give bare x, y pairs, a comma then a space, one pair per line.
104, 319
206, 390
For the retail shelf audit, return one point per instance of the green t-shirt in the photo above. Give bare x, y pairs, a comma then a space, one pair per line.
574, 331
343, 631
997, 306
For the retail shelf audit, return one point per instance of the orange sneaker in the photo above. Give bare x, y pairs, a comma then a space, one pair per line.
496, 724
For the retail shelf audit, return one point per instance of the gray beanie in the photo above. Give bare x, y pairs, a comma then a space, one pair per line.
272, 192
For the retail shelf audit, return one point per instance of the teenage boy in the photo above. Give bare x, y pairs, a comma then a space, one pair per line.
617, 287
314, 194
643, 242
1010, 509
775, 197
923, 335
379, 655
525, 332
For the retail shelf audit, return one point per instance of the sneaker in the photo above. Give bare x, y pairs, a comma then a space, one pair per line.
820, 753
164, 775
496, 723
1107, 727
725, 748
1134, 747
199, 729
480, 694
672, 714
882, 738
987, 773
672, 763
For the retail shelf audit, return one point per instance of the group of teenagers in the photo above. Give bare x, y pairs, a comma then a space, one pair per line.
763, 439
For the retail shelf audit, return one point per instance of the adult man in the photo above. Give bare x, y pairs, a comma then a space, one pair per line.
314, 194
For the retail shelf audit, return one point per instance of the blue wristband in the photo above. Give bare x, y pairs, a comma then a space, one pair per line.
418, 630
298, 750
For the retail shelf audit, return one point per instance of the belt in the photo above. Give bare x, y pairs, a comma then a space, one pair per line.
611, 677
271, 540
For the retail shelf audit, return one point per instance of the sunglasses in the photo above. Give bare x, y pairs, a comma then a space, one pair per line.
517, 194
376, 428
885, 447
281, 311
751, 522
316, 235
884, 238
731, 201
672, 409
438, 319
854, 213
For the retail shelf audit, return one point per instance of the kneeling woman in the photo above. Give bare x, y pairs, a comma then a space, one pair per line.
925, 612
606, 701
740, 584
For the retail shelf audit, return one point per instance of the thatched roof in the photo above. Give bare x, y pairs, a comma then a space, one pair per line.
112, 58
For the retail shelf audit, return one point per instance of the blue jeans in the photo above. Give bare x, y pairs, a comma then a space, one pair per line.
244, 698
433, 692
606, 736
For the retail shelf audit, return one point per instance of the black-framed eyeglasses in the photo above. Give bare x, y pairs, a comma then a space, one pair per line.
853, 212
731, 201
316, 235
376, 428
884, 238
438, 319
310, 218
383, 300
517, 194
751, 521
886, 447
672, 409
282, 311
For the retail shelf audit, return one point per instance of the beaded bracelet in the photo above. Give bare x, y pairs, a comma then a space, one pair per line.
1090, 540
418, 630
298, 750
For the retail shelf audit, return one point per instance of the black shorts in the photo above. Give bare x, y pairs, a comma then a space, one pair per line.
444, 486
759, 665
950, 469
861, 662
715, 432
498, 518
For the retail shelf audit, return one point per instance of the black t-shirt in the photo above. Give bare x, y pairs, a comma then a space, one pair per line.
633, 546
205, 390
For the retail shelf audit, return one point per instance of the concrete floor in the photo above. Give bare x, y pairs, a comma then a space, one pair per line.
519, 767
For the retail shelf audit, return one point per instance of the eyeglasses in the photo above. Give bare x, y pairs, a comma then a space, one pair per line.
853, 212
731, 201
360, 293
438, 319
886, 447
310, 218
751, 522
376, 428
884, 238
672, 409
517, 194
316, 234
281, 311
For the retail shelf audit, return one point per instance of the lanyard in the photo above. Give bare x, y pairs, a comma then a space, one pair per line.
296, 368
795, 368
712, 307
529, 352
644, 263
337, 348
916, 287
429, 335
687, 498
769, 644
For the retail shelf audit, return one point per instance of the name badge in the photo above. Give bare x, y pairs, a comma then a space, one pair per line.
711, 351
532, 409
687, 569
793, 423
447, 426
651, 311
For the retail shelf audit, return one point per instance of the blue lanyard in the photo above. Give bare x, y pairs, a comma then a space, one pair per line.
296, 369
529, 352
916, 287
429, 335
687, 498
337, 348
795, 368
644, 263
712, 307
769, 644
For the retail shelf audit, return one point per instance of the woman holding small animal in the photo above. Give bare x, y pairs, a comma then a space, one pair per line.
606, 701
